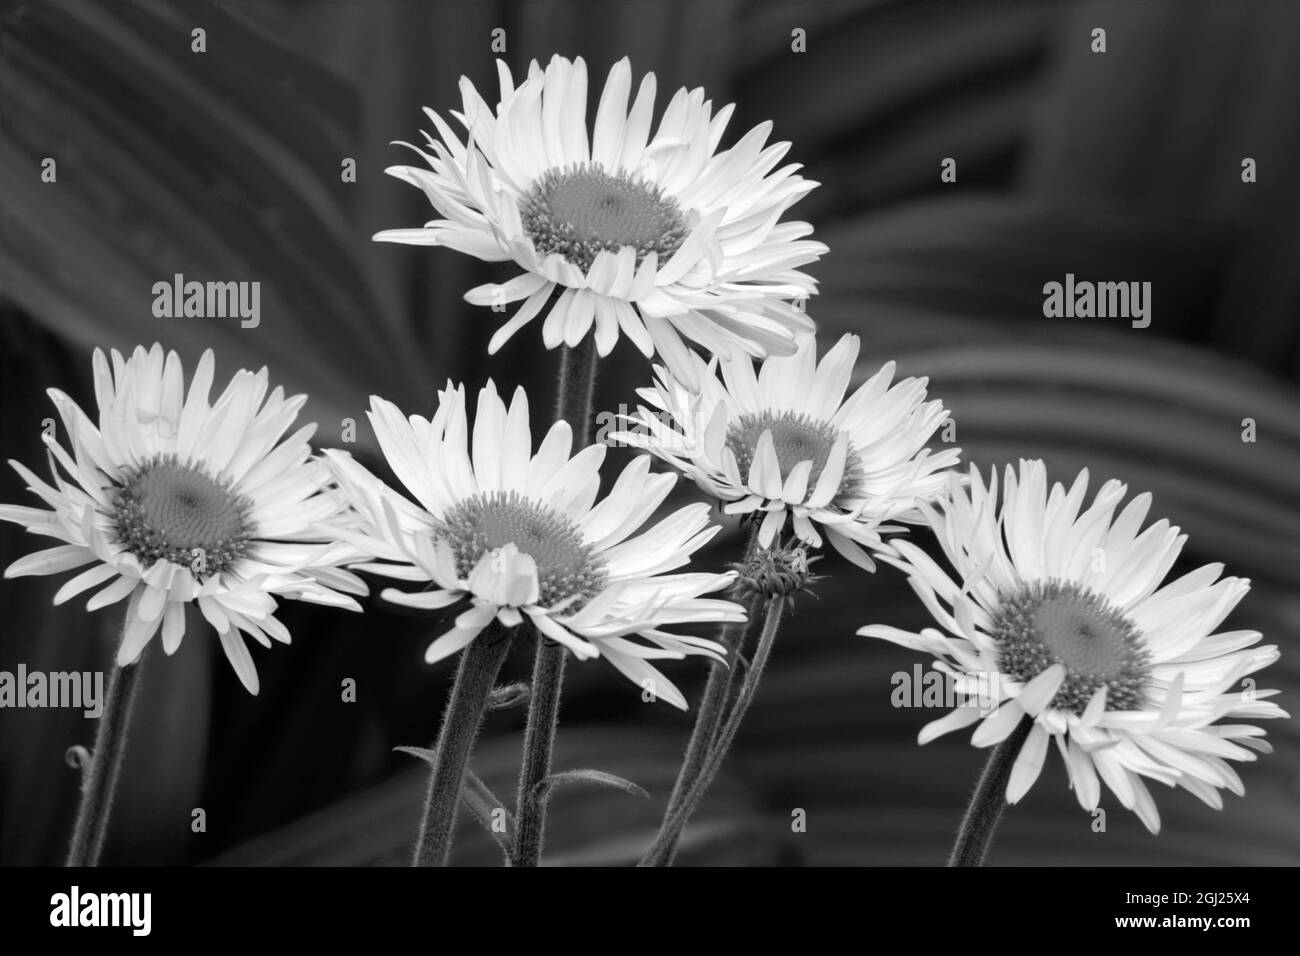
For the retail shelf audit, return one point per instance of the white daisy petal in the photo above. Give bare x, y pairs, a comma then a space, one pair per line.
611, 116
765, 470
232, 642
522, 538
997, 726
176, 498
1028, 765
468, 626
1039, 692
1083, 776
672, 225
955, 719
87, 579
648, 678
771, 526
1126, 675
50, 561
173, 626
525, 314
113, 593
135, 635
786, 438
421, 600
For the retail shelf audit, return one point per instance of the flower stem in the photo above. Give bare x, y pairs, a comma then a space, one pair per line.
573, 404
539, 741
989, 800
479, 664
664, 849
575, 389
712, 704
99, 778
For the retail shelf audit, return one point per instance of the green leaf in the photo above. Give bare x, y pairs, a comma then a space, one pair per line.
487, 809
509, 696
478, 799
422, 753
599, 777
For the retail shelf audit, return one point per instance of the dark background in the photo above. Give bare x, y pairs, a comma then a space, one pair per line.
1120, 166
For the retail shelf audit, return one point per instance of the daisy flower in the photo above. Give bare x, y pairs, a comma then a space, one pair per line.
786, 443
520, 536
1060, 615
172, 500
656, 236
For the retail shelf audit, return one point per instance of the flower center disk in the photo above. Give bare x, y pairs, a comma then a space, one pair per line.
166, 511
566, 566
1056, 622
795, 438
580, 210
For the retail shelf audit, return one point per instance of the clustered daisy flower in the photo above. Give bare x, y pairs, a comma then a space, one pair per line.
658, 237
1063, 612
519, 535
786, 444
1055, 617
170, 499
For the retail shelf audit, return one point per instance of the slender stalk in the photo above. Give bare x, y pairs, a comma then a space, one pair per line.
989, 800
539, 741
573, 404
664, 849
99, 778
575, 389
713, 702
479, 664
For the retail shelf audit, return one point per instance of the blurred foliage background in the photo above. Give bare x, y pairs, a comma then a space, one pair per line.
226, 164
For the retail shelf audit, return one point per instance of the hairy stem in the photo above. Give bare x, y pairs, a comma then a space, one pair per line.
479, 664
989, 800
99, 778
539, 741
664, 849
712, 705
573, 404
575, 389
